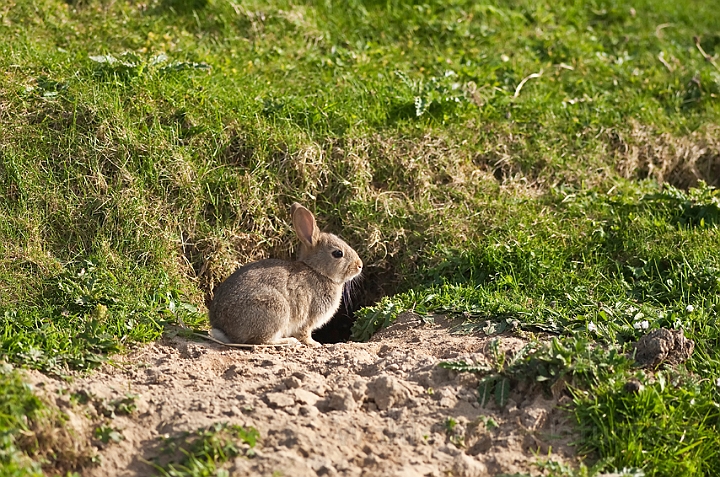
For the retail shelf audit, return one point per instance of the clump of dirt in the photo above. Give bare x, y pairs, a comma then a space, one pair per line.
663, 346
383, 408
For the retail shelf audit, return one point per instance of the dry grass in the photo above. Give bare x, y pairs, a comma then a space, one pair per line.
60, 442
681, 161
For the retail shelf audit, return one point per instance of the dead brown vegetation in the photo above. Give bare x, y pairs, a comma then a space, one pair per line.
681, 161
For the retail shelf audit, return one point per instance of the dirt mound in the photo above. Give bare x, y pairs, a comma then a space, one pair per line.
382, 408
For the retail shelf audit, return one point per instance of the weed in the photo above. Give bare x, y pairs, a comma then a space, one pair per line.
673, 423
105, 434
698, 207
202, 453
17, 405
557, 469
34, 439
455, 433
371, 319
122, 406
85, 317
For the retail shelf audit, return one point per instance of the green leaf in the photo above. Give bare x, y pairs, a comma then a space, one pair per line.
502, 392
485, 390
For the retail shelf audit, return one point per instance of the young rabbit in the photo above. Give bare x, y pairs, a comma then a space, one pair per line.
275, 301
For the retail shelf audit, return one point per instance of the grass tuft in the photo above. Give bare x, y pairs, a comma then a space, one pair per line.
203, 452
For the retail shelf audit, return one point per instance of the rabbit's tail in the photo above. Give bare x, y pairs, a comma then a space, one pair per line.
219, 335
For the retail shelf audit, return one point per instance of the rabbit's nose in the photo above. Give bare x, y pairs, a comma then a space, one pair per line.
359, 264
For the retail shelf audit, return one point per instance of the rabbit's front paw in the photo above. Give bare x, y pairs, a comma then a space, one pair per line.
308, 341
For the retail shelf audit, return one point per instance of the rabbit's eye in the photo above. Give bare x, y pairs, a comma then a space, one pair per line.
337, 253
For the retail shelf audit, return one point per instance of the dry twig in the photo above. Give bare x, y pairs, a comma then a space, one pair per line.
662, 59
707, 57
525, 80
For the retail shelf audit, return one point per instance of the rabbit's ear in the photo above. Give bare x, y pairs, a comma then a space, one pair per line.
304, 224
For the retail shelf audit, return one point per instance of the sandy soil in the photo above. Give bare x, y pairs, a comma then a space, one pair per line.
349, 409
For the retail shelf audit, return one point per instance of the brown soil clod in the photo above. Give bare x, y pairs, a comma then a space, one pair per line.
663, 346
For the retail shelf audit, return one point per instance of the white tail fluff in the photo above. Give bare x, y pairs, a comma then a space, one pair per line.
219, 335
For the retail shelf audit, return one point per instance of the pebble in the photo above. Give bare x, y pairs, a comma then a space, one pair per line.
341, 400
279, 400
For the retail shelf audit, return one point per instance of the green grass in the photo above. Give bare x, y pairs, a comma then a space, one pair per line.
202, 453
34, 439
18, 405
499, 160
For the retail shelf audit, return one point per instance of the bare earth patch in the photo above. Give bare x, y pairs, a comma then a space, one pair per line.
351, 409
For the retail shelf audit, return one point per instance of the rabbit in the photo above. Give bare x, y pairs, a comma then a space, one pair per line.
280, 301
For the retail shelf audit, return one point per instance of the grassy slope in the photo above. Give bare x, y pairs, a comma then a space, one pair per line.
147, 148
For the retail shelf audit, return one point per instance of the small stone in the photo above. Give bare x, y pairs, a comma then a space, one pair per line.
481, 446
154, 376
466, 466
191, 350
323, 467
467, 380
279, 400
308, 411
327, 470
446, 397
450, 449
370, 460
533, 417
633, 386
300, 375
387, 392
285, 437
341, 400
292, 382
232, 372
320, 390
359, 389
447, 402
305, 397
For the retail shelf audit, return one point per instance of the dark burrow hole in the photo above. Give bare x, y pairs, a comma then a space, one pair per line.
366, 292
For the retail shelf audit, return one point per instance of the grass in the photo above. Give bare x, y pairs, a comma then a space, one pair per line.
17, 401
202, 453
529, 164
34, 436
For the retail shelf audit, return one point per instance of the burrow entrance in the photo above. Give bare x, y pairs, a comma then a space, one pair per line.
367, 292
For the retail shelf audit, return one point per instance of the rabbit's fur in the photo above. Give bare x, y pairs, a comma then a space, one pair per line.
274, 301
